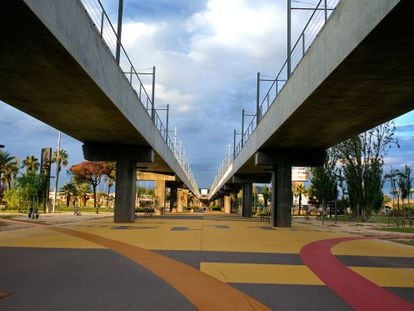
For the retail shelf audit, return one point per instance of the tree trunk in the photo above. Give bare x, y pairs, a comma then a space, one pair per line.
94, 198
67, 200
300, 203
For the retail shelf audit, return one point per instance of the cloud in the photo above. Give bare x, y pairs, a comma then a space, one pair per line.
207, 54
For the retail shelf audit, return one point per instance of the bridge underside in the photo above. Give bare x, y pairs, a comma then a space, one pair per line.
347, 83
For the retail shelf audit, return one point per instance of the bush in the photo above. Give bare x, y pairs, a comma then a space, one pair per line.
216, 208
12, 198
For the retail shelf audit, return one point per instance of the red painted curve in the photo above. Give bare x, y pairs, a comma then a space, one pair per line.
357, 291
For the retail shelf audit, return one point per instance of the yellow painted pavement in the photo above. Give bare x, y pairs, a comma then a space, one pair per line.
42, 238
261, 273
372, 247
387, 277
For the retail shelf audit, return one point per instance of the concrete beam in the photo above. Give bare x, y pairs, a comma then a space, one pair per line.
251, 178
310, 157
114, 152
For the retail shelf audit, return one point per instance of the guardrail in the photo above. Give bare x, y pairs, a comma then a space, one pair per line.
106, 30
314, 25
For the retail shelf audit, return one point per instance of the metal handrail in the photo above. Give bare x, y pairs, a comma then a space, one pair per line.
101, 19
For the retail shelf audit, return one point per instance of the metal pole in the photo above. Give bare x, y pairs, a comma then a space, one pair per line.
166, 123
326, 10
289, 35
119, 32
234, 144
175, 141
57, 173
242, 129
258, 113
153, 94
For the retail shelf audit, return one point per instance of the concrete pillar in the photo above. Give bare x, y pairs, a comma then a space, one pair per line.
180, 200
173, 198
234, 201
159, 194
227, 204
247, 200
126, 173
282, 196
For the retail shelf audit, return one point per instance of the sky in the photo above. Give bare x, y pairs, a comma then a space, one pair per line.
207, 54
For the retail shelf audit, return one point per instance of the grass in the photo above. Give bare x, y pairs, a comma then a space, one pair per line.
402, 230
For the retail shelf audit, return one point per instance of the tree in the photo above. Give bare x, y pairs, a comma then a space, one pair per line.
82, 190
31, 185
92, 173
298, 190
69, 190
9, 172
8, 169
31, 163
60, 157
362, 160
324, 180
110, 180
266, 195
405, 183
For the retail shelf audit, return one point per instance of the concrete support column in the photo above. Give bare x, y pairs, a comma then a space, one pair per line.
227, 204
247, 200
159, 194
180, 200
126, 173
173, 198
282, 196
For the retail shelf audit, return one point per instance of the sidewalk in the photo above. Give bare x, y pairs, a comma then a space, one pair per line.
187, 262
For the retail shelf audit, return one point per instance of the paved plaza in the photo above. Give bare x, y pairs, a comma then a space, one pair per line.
199, 261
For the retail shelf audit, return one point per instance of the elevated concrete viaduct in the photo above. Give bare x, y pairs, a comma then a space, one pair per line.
55, 66
358, 73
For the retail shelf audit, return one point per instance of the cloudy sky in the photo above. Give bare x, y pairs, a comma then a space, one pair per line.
207, 54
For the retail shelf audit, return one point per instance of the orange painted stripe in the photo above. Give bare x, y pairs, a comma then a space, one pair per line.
203, 291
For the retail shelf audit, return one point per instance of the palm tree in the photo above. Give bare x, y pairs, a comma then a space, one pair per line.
298, 190
60, 157
69, 190
31, 163
6, 162
10, 172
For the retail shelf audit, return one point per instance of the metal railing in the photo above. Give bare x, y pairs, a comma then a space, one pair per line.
314, 25
107, 32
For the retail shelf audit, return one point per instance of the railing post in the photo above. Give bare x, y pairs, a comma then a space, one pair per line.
166, 123
326, 10
234, 144
119, 32
242, 129
153, 94
130, 75
258, 114
289, 34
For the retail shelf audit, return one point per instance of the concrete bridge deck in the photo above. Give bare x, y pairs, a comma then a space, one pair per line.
55, 66
358, 73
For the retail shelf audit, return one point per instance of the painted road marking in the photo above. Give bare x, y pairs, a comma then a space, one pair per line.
260, 273
203, 291
357, 291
